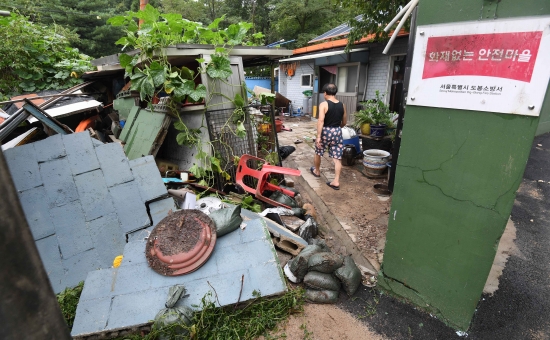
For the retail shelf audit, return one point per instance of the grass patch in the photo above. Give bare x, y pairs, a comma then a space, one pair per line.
256, 318
68, 300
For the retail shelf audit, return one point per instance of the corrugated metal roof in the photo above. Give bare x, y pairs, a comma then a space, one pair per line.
337, 31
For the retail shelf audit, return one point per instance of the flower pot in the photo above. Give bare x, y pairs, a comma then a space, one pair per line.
375, 161
378, 130
365, 129
348, 156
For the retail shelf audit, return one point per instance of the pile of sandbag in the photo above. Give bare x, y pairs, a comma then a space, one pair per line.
323, 273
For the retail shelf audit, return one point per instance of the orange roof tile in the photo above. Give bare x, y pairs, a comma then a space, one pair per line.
340, 43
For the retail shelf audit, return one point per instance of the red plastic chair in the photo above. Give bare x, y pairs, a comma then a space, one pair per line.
262, 177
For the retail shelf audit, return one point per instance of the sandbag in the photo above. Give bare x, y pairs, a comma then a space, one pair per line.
299, 265
325, 262
321, 243
321, 281
278, 196
174, 315
294, 190
309, 229
321, 296
226, 220
298, 212
350, 275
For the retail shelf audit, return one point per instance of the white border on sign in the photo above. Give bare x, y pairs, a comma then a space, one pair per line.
519, 97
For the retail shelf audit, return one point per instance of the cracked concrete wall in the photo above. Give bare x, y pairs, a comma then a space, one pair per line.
457, 175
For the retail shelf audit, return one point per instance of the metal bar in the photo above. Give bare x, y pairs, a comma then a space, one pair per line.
42, 116
275, 138
28, 306
401, 115
21, 115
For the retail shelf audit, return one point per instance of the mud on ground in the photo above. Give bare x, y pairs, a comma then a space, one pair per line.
362, 213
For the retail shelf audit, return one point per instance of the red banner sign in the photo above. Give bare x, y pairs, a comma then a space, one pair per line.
501, 55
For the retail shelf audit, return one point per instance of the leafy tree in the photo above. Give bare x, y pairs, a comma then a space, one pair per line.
254, 11
88, 19
189, 9
37, 57
376, 15
303, 20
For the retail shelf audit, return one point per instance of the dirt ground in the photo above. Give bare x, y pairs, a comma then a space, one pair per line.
324, 322
364, 216
361, 212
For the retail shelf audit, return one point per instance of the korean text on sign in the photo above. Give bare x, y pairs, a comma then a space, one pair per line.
501, 55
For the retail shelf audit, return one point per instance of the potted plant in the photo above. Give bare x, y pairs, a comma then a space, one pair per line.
362, 121
380, 114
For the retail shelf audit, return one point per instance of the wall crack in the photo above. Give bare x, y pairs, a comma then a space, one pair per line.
439, 168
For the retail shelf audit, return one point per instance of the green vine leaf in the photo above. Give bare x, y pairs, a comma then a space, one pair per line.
216, 23
118, 20
237, 32
181, 138
238, 101
215, 164
186, 73
240, 131
174, 21
205, 35
202, 155
178, 125
267, 98
182, 88
157, 73
198, 171
149, 15
122, 41
219, 67
125, 60
198, 94
144, 84
225, 175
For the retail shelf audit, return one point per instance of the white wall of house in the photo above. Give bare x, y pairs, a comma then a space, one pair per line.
292, 88
378, 74
379, 67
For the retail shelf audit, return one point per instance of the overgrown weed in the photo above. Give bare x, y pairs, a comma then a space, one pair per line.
68, 300
250, 321
370, 307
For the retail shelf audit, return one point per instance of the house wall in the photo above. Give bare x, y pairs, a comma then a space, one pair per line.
379, 65
291, 88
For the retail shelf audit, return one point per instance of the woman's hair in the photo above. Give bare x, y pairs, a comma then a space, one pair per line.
330, 89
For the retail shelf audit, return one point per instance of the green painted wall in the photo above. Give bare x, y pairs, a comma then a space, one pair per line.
456, 179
